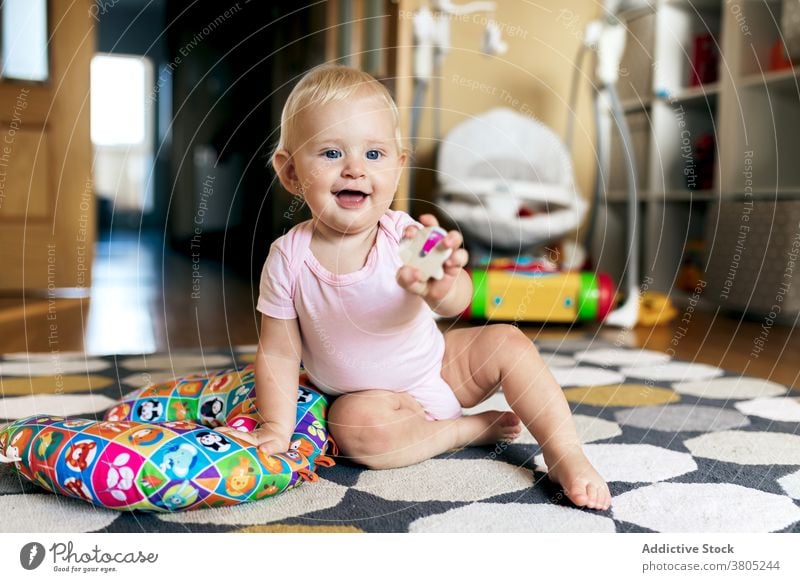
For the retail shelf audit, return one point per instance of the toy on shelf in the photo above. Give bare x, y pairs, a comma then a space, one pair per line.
703, 155
778, 57
705, 60
520, 264
691, 272
655, 309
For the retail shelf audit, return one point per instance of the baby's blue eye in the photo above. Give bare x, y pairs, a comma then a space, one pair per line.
373, 155
333, 154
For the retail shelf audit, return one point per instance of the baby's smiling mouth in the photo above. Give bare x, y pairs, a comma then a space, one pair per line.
351, 199
350, 193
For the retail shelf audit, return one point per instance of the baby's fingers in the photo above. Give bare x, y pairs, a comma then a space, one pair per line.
407, 276
267, 444
247, 437
410, 231
410, 279
457, 260
428, 220
228, 430
453, 240
271, 447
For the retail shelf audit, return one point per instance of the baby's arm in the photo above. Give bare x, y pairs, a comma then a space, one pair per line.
450, 295
277, 364
452, 301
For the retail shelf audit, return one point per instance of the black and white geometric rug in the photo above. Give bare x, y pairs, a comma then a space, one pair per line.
685, 448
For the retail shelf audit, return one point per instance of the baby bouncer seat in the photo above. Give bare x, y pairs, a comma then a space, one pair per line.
506, 180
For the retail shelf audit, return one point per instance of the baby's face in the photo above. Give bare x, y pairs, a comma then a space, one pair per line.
347, 163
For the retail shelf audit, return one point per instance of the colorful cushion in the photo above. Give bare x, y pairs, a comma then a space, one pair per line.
155, 450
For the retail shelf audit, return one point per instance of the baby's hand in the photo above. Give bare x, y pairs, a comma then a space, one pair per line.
410, 278
268, 440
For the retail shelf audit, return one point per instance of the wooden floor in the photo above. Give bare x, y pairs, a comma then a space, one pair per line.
146, 298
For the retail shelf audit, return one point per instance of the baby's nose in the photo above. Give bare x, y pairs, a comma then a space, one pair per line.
353, 168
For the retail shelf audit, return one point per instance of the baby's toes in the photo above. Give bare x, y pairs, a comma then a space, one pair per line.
510, 420
605, 498
600, 496
591, 496
577, 492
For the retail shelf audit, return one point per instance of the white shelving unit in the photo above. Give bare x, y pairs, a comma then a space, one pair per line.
749, 112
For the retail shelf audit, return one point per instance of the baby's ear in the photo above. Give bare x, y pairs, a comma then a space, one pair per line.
284, 167
402, 159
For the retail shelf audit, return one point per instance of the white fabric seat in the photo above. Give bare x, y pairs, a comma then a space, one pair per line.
493, 164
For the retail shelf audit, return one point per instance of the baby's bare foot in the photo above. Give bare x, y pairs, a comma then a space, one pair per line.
580, 480
487, 428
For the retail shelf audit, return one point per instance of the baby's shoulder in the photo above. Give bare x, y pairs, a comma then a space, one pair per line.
294, 242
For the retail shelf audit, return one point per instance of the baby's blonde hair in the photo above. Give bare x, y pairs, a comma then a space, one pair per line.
326, 83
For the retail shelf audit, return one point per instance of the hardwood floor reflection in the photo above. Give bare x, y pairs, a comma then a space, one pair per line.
144, 298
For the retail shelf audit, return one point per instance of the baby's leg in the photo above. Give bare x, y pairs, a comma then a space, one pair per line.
383, 430
478, 360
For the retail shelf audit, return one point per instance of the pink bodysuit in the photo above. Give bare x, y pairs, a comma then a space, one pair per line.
360, 330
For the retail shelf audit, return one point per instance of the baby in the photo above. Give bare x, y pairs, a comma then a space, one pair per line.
335, 294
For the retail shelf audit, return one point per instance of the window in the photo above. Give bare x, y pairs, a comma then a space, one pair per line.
24, 44
122, 122
119, 100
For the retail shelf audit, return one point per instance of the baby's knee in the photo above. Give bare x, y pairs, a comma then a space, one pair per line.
361, 432
509, 339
